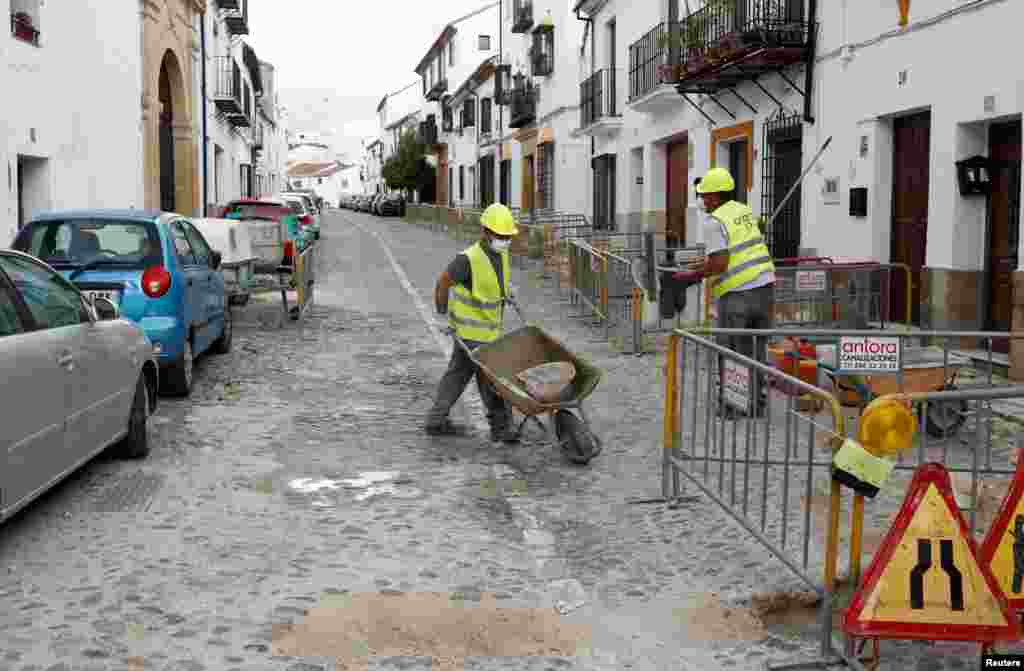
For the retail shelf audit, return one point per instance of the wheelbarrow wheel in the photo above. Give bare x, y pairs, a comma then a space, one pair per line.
575, 437
944, 418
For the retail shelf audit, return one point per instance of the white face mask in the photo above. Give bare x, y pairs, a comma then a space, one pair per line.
500, 245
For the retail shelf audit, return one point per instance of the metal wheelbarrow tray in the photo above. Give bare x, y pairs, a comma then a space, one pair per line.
517, 351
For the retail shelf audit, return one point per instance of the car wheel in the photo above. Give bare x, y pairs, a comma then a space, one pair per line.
179, 374
135, 445
223, 344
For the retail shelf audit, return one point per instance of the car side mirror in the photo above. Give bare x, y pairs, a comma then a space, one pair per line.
105, 309
215, 259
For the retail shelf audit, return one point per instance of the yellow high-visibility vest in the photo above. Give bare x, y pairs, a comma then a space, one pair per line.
749, 257
478, 316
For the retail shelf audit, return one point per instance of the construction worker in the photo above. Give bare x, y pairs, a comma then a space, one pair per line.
479, 282
737, 254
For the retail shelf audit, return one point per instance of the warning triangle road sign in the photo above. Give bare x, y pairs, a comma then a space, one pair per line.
1003, 550
925, 581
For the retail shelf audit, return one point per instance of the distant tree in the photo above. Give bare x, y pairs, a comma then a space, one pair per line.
405, 170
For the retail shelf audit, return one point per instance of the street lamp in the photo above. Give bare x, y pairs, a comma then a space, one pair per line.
974, 175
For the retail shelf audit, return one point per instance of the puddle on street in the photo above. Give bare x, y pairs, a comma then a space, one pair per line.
370, 484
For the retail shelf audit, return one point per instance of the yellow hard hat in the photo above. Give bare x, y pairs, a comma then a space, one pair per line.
718, 180
498, 219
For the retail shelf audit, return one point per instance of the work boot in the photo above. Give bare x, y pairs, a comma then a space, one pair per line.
445, 428
504, 435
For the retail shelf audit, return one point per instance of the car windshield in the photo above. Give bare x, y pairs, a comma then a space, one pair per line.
270, 211
65, 243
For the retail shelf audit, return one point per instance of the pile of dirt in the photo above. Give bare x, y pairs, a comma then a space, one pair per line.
708, 619
427, 624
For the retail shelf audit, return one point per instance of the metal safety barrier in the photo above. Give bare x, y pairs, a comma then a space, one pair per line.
749, 436
962, 405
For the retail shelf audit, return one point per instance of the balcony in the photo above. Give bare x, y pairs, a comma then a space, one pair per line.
228, 4
652, 79
439, 88
237, 18
447, 121
22, 28
523, 106
543, 63
227, 87
600, 109
257, 136
736, 41
522, 15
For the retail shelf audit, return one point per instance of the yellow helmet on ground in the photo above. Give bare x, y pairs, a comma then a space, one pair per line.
498, 219
718, 180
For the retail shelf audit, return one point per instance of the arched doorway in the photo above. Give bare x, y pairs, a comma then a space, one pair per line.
170, 97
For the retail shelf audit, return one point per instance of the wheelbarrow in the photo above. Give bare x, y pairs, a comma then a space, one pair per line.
925, 369
503, 363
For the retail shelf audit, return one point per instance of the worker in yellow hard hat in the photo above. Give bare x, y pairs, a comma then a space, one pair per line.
738, 259
478, 279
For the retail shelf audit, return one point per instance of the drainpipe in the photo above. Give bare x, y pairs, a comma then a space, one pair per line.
589, 20
812, 48
501, 108
206, 139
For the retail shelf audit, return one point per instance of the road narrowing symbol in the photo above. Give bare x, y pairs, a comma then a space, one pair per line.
926, 581
1002, 552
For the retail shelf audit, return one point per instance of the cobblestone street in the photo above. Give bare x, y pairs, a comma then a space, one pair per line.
304, 476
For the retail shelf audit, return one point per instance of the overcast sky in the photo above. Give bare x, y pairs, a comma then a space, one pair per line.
336, 59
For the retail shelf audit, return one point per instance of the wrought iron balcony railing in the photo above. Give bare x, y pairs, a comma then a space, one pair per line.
237, 18
523, 107
543, 63
227, 86
599, 95
439, 88
522, 15
723, 30
649, 63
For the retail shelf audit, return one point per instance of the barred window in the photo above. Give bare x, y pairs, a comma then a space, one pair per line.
546, 176
486, 172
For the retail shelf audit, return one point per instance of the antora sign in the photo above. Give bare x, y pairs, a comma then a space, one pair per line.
869, 354
736, 385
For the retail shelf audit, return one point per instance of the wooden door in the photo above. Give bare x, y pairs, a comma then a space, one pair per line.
678, 181
1003, 226
911, 141
528, 183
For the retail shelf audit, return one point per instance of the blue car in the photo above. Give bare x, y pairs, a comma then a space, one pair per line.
155, 266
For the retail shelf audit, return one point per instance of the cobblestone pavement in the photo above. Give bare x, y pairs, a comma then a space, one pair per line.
297, 474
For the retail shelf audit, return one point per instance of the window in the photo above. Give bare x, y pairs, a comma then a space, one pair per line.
542, 53
506, 182
462, 182
546, 176
181, 244
51, 299
200, 249
68, 243
486, 171
485, 115
604, 191
246, 177
485, 43
468, 113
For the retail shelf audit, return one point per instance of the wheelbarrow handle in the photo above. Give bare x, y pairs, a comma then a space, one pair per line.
519, 310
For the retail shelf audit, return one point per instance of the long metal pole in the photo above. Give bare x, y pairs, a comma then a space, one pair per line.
798, 182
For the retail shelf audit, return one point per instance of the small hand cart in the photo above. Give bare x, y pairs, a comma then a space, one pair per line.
925, 369
504, 360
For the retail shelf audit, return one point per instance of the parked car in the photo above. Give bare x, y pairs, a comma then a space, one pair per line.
155, 267
273, 227
392, 206
304, 210
75, 379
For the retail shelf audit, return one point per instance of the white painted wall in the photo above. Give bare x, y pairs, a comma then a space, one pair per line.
87, 128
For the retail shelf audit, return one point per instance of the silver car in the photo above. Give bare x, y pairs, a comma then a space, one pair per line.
75, 379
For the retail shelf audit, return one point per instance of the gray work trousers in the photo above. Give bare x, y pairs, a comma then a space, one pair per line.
460, 370
753, 309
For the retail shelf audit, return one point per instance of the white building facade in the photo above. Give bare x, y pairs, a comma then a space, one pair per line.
541, 158
236, 128
373, 158
73, 137
457, 53
271, 151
